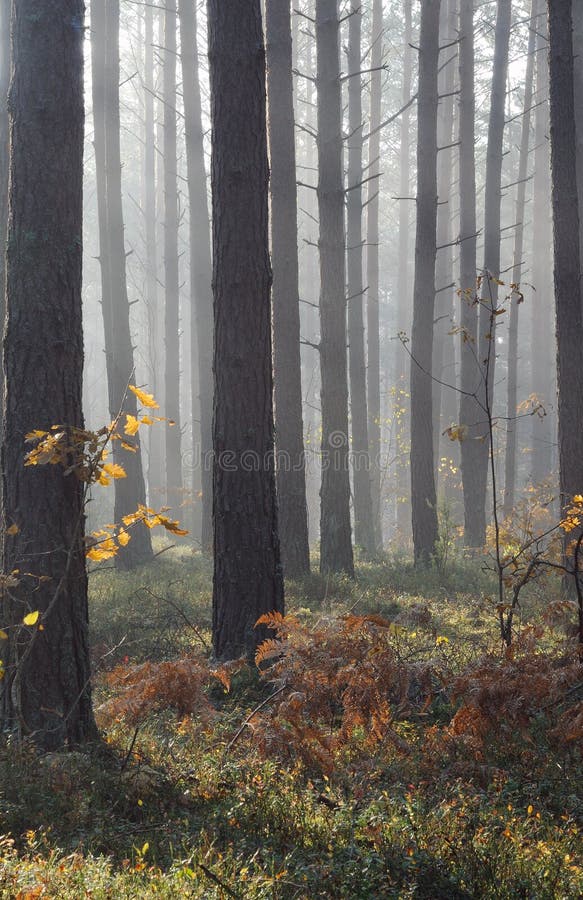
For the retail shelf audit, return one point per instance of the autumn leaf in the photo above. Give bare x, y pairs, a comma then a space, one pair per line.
14, 529
145, 399
115, 470
31, 618
123, 538
132, 424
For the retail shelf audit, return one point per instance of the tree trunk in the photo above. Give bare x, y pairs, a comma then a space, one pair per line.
372, 271
569, 310
289, 429
155, 435
200, 264
247, 572
171, 273
470, 369
363, 517
491, 270
4, 160
403, 296
130, 492
444, 364
577, 14
511, 424
46, 692
335, 533
542, 309
423, 497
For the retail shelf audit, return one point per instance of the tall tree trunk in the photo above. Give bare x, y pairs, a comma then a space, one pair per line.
578, 86
130, 492
443, 274
171, 273
335, 533
247, 572
46, 691
511, 423
423, 497
491, 269
542, 308
403, 291
155, 435
4, 161
289, 429
372, 270
363, 518
569, 310
201, 319
470, 369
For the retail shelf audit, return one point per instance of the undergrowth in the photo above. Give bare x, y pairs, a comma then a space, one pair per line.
386, 746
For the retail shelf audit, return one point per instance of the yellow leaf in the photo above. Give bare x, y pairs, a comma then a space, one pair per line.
131, 425
33, 435
115, 470
147, 420
103, 479
98, 554
145, 399
31, 618
129, 447
3, 635
123, 538
14, 529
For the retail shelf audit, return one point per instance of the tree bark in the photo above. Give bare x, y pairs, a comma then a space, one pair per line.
335, 531
46, 692
130, 492
423, 496
470, 370
4, 160
542, 307
200, 264
491, 269
516, 298
171, 273
569, 312
372, 271
444, 363
247, 572
289, 429
155, 435
403, 291
363, 516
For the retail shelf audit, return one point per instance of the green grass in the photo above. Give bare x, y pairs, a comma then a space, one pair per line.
173, 808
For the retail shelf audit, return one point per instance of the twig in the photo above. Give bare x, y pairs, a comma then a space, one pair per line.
251, 715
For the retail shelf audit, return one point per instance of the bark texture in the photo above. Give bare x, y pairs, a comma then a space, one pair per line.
423, 496
201, 319
155, 435
491, 268
542, 308
171, 271
129, 491
569, 310
335, 530
363, 516
403, 289
470, 369
372, 271
247, 572
46, 691
289, 429
516, 298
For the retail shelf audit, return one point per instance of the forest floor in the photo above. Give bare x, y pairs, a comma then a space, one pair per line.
390, 747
